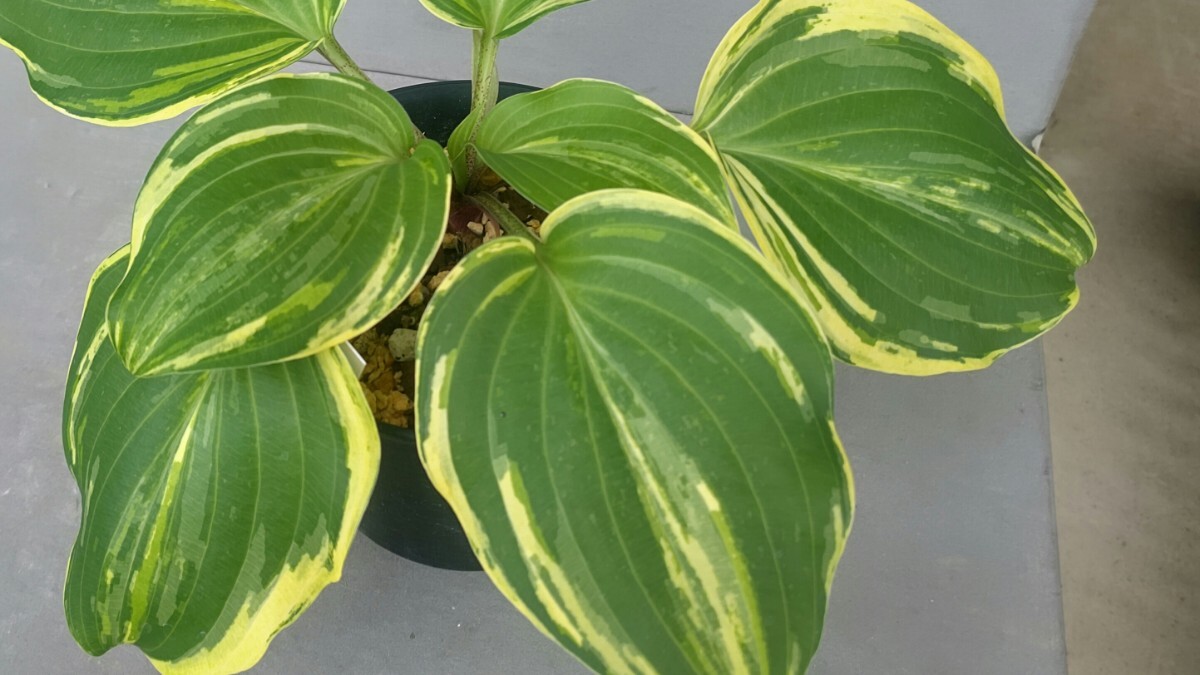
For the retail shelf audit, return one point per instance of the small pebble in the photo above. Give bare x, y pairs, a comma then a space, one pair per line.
437, 280
403, 344
492, 230
417, 297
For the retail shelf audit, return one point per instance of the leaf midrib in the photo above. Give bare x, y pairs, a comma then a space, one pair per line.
589, 348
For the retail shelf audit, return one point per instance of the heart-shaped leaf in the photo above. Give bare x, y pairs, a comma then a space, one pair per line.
137, 61
581, 136
867, 147
281, 220
633, 423
216, 505
498, 18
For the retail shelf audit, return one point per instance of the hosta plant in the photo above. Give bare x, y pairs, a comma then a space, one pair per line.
629, 410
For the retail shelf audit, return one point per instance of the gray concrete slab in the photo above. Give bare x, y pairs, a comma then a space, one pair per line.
1123, 370
952, 565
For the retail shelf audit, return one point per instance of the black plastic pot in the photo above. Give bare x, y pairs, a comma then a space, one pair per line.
437, 108
406, 515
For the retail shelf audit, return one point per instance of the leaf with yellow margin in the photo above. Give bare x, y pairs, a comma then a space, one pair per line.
137, 61
866, 145
279, 221
216, 505
633, 421
498, 18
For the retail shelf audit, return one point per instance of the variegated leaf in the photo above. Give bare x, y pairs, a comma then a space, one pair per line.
137, 61
281, 220
216, 505
633, 422
867, 146
581, 136
498, 18
456, 147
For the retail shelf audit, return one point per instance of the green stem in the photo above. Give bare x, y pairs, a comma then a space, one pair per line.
499, 212
485, 89
332, 50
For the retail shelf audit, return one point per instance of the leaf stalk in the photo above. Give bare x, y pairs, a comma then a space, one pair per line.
500, 213
485, 90
333, 52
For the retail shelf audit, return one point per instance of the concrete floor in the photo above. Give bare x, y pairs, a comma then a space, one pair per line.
1123, 371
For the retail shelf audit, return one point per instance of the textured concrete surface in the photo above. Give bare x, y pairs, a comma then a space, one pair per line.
952, 567
1124, 369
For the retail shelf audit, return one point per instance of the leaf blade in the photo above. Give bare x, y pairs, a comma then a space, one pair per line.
216, 506
501, 18
160, 57
320, 211
867, 146
650, 393
582, 136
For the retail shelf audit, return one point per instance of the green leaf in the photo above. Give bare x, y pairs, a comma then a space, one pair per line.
216, 505
633, 423
501, 18
281, 220
867, 147
581, 136
456, 147
138, 61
